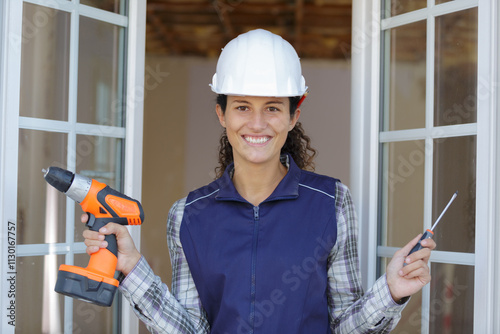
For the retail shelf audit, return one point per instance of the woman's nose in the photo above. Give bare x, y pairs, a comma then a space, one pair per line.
257, 121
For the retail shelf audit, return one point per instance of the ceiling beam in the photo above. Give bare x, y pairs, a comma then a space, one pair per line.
162, 33
222, 10
250, 8
316, 28
299, 20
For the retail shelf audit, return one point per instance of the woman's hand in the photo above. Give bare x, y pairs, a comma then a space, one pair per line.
128, 255
406, 280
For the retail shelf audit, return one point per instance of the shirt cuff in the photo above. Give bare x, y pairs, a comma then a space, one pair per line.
137, 282
384, 298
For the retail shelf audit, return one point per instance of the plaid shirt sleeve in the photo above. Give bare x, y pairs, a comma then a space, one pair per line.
350, 310
162, 311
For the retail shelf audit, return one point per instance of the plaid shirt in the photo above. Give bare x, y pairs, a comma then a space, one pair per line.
180, 310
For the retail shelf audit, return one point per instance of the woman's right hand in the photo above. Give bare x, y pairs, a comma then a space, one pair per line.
128, 255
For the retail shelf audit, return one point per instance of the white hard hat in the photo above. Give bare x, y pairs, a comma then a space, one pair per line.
259, 63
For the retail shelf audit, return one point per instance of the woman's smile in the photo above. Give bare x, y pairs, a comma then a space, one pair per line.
257, 140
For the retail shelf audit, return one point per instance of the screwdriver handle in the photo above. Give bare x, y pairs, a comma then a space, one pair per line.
427, 235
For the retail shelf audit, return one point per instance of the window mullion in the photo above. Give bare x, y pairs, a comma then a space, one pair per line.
422, 14
71, 158
429, 84
429, 147
10, 80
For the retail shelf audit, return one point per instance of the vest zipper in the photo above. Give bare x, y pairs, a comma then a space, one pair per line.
254, 260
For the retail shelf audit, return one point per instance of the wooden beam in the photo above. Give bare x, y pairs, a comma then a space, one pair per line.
192, 6
317, 28
222, 9
161, 31
250, 8
299, 19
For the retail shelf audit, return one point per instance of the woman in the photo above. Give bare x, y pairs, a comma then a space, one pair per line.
268, 247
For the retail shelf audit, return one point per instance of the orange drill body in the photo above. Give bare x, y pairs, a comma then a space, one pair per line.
115, 204
96, 282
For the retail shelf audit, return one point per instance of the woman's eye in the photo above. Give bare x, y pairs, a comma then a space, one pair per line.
273, 109
242, 108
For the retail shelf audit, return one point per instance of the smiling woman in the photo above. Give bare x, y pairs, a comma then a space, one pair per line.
266, 230
297, 143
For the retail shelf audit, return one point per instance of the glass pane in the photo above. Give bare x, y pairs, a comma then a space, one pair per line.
100, 73
382, 265
44, 63
442, 1
396, 7
39, 309
403, 182
452, 299
404, 100
115, 6
98, 158
41, 209
455, 169
455, 95
90, 318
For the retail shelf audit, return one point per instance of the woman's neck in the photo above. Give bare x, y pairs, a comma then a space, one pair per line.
256, 182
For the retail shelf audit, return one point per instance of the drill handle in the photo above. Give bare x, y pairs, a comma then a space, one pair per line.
95, 224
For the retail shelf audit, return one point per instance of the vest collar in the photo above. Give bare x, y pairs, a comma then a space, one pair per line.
288, 188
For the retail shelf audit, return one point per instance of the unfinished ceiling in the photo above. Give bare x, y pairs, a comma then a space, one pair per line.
319, 29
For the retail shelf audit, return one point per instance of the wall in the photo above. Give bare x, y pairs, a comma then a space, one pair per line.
181, 135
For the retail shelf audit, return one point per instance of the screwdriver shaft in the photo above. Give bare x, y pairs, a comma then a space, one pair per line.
444, 210
428, 233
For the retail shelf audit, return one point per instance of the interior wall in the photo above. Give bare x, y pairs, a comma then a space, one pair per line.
165, 119
181, 134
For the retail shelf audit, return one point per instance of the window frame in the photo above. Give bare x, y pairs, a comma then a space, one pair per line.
365, 145
10, 122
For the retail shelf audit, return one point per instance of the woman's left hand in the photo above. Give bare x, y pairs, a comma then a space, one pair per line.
406, 280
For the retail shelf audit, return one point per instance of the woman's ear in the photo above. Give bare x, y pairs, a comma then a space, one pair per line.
220, 115
294, 119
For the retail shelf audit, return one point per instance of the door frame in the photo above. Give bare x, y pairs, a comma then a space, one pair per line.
11, 14
365, 104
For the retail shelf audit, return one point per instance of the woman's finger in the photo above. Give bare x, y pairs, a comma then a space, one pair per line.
84, 218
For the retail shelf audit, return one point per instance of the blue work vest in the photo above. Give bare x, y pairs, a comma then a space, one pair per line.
262, 269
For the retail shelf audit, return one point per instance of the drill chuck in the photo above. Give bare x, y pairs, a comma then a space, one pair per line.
73, 185
59, 178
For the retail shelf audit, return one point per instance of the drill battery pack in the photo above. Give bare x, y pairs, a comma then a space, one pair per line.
84, 288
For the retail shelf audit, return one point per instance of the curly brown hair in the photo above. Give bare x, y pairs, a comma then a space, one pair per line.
297, 144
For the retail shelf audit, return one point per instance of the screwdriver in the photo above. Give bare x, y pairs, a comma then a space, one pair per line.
429, 232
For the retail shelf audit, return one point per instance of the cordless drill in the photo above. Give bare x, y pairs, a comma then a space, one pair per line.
95, 283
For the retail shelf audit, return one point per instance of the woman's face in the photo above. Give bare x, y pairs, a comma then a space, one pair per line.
257, 127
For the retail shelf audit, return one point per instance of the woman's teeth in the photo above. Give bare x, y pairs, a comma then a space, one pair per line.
257, 140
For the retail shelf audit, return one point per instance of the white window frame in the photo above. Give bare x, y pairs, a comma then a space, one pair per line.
365, 140
10, 122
